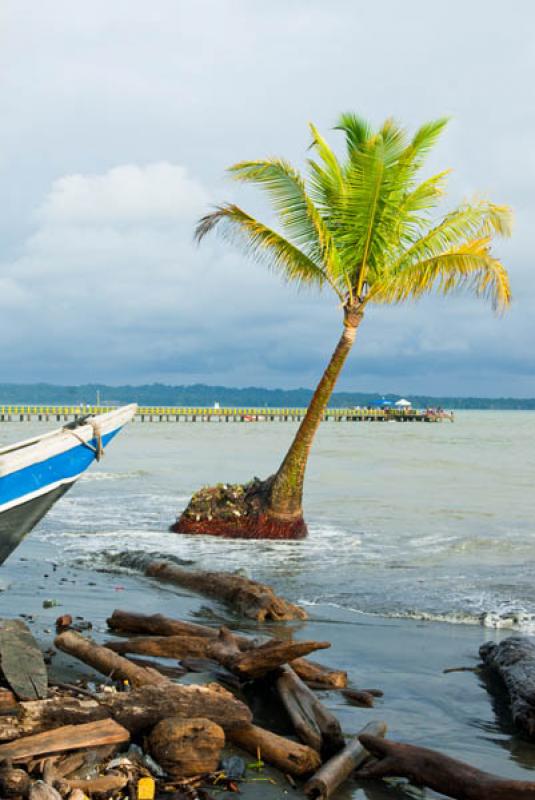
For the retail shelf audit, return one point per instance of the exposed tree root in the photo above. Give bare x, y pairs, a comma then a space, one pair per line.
237, 511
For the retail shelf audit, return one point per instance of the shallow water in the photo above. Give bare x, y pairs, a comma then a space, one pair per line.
418, 520
424, 522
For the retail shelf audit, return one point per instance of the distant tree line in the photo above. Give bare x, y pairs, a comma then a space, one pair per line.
202, 395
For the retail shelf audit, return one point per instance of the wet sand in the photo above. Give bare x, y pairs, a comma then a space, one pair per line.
404, 658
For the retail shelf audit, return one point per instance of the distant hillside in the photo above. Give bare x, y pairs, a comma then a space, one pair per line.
201, 395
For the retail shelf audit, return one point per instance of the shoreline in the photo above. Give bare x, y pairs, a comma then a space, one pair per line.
405, 658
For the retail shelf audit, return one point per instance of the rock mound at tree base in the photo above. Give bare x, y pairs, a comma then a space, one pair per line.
237, 511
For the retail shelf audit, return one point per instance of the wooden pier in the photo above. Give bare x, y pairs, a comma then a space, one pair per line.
29, 413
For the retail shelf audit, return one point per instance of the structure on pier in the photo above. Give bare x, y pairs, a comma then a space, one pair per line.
27, 413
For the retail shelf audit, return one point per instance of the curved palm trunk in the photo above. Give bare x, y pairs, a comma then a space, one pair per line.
270, 509
286, 495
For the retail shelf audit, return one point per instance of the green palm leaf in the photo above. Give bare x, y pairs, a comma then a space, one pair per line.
469, 266
263, 244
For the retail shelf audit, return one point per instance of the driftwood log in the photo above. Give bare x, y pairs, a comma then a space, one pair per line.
334, 772
313, 723
123, 622
250, 598
106, 661
136, 711
68, 737
292, 758
423, 767
513, 660
254, 662
102, 784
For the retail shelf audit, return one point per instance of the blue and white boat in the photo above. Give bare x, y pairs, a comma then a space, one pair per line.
37, 472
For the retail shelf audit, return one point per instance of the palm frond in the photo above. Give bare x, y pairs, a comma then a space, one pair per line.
300, 218
264, 244
426, 138
469, 221
357, 131
469, 266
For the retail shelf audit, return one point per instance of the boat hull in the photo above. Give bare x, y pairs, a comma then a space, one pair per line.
36, 473
18, 521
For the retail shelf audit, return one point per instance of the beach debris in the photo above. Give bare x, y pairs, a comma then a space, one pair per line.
335, 771
21, 660
13, 782
234, 767
445, 775
43, 791
251, 599
513, 659
225, 649
50, 603
123, 622
63, 622
146, 789
313, 722
187, 747
364, 698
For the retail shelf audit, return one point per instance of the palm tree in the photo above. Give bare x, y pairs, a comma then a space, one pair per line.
364, 227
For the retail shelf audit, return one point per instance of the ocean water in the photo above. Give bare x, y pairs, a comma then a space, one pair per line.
429, 521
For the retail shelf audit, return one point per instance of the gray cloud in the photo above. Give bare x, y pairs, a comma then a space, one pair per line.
118, 121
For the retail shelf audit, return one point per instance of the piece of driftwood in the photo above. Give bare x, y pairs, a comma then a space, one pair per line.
319, 675
292, 758
106, 661
68, 737
361, 697
252, 663
186, 747
21, 660
136, 711
101, 784
441, 773
335, 771
156, 625
313, 723
513, 660
172, 671
250, 598
124, 622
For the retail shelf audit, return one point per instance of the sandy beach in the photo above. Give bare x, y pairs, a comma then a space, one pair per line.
405, 658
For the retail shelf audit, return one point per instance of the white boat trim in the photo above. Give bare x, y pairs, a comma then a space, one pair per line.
41, 448
25, 498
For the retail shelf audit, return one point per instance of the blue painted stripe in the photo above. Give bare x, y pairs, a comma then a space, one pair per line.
57, 468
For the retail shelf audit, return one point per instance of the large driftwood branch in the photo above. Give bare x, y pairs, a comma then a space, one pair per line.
334, 772
252, 663
290, 757
106, 661
158, 625
250, 598
514, 661
445, 775
313, 723
136, 711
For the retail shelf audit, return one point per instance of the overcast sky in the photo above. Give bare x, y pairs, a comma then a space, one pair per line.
118, 121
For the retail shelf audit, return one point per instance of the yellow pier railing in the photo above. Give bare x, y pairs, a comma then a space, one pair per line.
63, 413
